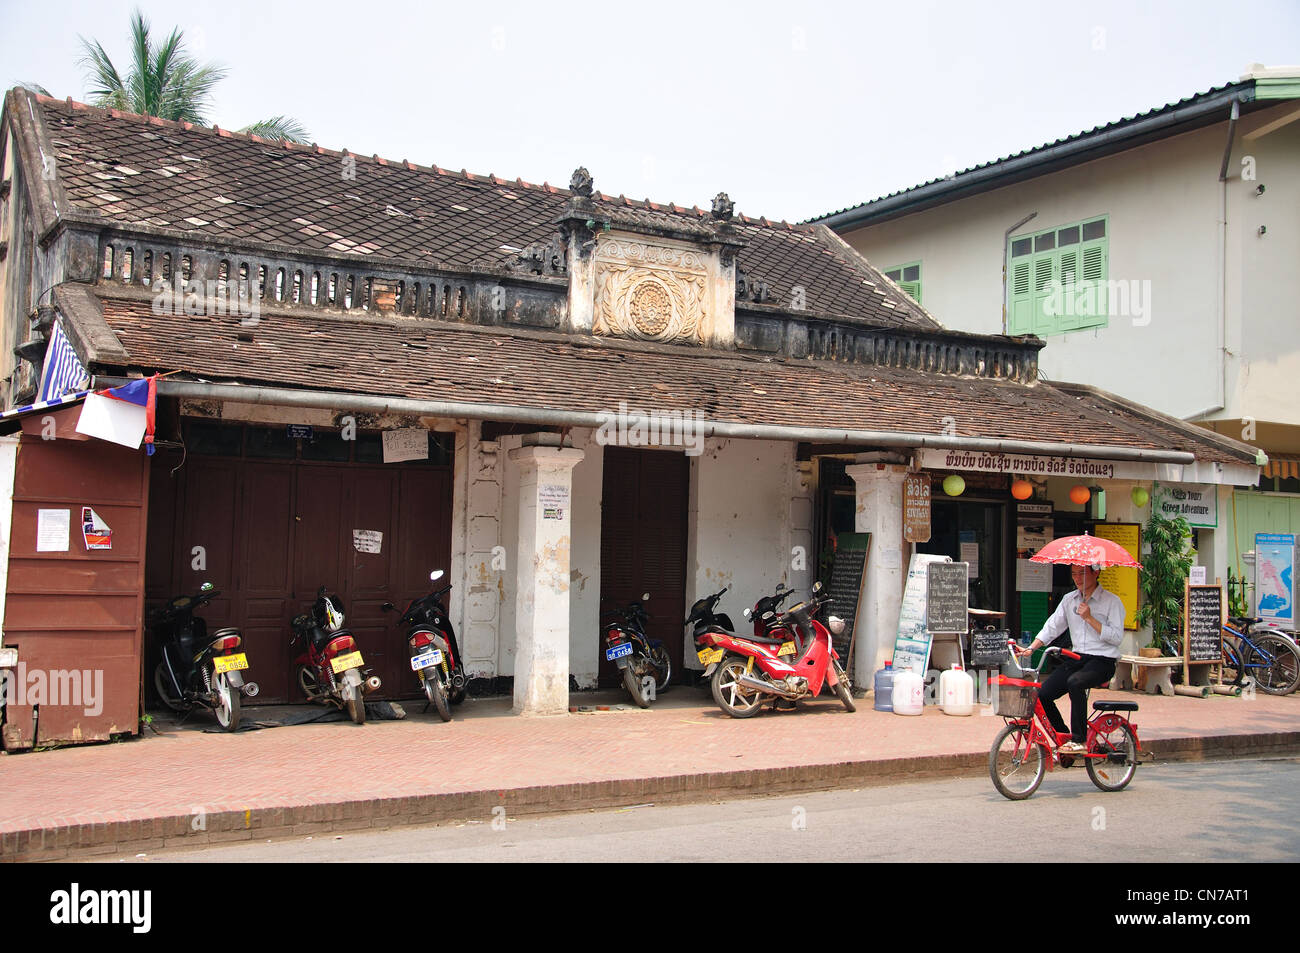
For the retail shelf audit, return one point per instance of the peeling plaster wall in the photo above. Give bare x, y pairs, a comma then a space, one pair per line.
478, 562
584, 575
741, 505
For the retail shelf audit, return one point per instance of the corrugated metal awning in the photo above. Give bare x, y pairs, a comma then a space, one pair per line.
1281, 465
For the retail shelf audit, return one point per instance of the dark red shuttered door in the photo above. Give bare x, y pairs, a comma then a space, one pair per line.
643, 542
270, 534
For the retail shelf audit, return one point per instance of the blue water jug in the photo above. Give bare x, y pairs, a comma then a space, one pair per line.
884, 688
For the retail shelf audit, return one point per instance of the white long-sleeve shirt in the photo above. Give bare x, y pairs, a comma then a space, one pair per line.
1105, 607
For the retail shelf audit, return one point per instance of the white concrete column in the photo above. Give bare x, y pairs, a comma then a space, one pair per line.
880, 513
542, 573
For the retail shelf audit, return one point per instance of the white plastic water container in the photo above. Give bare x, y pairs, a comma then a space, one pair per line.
909, 693
956, 692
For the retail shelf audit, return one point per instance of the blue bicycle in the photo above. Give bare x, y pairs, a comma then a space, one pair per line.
1268, 656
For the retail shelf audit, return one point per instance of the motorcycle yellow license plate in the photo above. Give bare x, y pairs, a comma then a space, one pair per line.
229, 663
709, 656
342, 663
787, 648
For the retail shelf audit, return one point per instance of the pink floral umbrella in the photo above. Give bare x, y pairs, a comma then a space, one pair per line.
1085, 550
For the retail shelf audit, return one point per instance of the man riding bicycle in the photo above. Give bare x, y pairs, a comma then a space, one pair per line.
1095, 620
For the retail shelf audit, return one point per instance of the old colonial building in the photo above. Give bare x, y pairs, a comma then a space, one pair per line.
609, 396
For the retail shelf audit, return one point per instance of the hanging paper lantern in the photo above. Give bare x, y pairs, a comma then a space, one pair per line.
1022, 489
1079, 494
954, 485
1139, 496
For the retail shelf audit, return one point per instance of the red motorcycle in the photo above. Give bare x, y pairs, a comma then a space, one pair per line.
329, 669
788, 657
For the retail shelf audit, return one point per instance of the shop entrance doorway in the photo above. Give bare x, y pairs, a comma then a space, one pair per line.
643, 544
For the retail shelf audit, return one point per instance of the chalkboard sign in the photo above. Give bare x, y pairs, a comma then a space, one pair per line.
988, 649
845, 588
946, 597
1202, 624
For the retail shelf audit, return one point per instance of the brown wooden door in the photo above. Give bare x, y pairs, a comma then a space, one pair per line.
643, 543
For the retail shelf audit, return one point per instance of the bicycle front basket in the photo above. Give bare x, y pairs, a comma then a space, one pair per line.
1014, 701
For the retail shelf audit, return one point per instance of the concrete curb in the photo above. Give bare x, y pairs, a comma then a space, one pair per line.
185, 831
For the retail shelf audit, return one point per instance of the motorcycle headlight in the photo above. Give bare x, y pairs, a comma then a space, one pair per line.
835, 624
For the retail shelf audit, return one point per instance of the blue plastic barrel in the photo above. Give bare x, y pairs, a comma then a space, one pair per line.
884, 688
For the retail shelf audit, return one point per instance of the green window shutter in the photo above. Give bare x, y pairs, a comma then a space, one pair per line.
1020, 318
1044, 273
1094, 286
913, 288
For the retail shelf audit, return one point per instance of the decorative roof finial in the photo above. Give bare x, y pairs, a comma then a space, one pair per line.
581, 184
723, 207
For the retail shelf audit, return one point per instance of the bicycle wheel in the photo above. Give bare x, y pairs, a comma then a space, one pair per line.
1279, 672
1015, 765
1232, 670
1115, 739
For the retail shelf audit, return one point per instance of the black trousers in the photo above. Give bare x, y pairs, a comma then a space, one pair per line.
1074, 677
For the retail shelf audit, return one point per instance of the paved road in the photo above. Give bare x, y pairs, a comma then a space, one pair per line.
1191, 813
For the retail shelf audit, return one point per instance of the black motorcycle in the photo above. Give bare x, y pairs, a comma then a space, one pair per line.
643, 661
705, 619
195, 670
435, 656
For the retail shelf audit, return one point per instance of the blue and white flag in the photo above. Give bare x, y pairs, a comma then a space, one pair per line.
63, 371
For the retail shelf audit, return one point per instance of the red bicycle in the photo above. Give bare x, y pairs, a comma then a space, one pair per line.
1028, 747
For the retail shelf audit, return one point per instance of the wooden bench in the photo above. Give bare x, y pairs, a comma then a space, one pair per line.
1151, 674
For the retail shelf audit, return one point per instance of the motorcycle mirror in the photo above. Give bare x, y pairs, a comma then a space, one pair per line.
387, 607
645, 597
435, 575
747, 612
817, 586
206, 587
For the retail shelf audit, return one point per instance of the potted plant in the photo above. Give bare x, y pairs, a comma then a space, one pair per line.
1162, 576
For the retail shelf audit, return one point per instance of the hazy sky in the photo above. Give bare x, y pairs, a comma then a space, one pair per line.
794, 109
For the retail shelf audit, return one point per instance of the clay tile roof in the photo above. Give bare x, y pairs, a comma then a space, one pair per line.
247, 190
428, 360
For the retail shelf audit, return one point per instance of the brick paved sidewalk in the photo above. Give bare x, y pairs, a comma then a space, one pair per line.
187, 786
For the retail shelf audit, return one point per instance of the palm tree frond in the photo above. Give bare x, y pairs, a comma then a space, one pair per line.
106, 86
280, 128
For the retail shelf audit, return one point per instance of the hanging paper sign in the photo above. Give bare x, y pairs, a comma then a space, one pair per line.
367, 540
94, 531
409, 444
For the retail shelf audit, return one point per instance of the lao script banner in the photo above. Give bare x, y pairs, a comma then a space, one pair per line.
1080, 467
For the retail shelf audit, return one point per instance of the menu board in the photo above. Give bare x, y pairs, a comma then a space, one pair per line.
912, 646
846, 584
1122, 580
946, 597
988, 647
1203, 624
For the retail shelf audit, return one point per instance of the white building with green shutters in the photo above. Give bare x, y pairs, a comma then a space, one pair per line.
1159, 258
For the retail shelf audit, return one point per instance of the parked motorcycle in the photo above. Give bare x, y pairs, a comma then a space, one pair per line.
643, 661
195, 670
753, 670
329, 669
705, 619
435, 657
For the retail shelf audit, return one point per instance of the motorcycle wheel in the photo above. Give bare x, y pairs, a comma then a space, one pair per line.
736, 701
634, 686
663, 668
162, 685
436, 692
308, 684
843, 690
227, 710
356, 704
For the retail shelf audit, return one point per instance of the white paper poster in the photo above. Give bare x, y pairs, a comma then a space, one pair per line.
553, 498
1197, 577
409, 444
53, 530
1033, 577
368, 540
